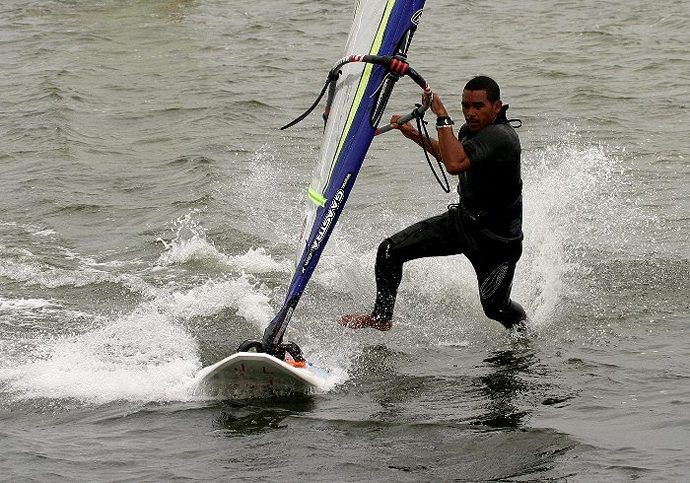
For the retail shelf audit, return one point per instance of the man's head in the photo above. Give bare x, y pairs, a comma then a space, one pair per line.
481, 102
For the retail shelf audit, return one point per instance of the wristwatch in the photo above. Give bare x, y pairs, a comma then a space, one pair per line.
444, 121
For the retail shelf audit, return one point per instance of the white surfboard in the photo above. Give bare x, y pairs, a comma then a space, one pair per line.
255, 373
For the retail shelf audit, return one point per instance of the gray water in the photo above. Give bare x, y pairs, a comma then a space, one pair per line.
149, 215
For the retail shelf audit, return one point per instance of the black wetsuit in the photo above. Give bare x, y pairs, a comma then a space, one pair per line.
485, 226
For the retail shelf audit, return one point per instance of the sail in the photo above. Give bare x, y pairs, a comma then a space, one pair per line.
379, 28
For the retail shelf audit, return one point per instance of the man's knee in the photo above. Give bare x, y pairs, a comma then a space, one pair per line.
385, 252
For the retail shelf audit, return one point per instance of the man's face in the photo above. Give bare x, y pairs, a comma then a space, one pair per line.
479, 112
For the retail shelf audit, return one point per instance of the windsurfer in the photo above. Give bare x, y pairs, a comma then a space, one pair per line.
485, 225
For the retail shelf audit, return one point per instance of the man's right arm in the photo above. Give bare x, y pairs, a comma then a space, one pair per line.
450, 149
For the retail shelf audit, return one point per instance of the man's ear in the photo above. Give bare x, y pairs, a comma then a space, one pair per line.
497, 107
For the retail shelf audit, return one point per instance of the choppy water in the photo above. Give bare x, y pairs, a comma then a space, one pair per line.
149, 215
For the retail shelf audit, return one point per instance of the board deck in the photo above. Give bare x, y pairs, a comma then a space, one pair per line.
251, 373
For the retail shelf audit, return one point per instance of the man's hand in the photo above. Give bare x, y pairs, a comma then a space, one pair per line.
406, 129
437, 106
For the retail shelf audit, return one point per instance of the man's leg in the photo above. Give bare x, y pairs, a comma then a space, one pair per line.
436, 236
495, 283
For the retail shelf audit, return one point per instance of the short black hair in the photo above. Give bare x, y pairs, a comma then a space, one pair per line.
484, 83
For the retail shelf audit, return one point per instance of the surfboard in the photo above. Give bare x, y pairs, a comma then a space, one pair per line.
257, 373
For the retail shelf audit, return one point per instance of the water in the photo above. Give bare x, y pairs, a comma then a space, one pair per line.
151, 208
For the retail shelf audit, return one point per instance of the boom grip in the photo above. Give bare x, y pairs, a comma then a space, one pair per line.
393, 63
417, 112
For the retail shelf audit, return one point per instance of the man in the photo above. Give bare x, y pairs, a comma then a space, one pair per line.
485, 226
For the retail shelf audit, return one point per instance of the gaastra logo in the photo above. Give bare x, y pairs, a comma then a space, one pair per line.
417, 16
331, 213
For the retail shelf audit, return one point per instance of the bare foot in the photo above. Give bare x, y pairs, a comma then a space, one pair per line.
363, 321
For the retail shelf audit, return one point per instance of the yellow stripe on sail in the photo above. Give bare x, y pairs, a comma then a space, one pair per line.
375, 46
315, 196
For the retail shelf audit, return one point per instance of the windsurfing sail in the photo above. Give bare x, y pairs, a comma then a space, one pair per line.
359, 87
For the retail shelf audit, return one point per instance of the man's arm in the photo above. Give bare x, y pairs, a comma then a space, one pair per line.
450, 148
